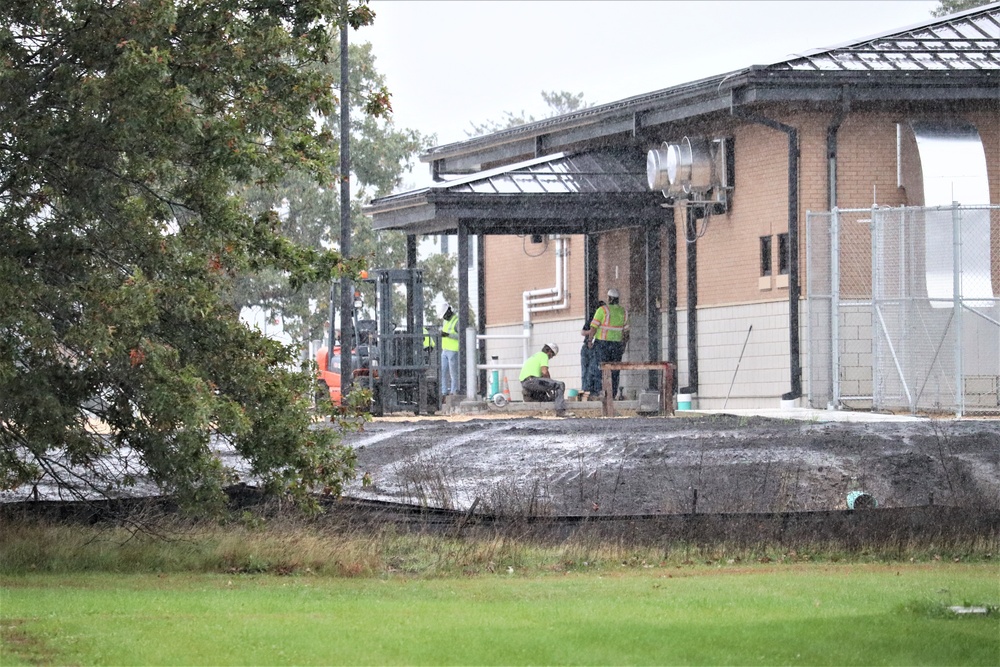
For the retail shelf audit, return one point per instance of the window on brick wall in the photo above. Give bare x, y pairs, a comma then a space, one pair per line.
765, 256
783, 254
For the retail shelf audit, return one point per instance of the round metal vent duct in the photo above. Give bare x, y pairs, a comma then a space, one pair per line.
661, 166
695, 170
683, 167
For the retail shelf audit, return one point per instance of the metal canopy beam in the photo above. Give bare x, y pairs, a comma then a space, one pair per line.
439, 213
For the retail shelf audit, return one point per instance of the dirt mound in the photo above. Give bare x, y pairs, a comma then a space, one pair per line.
708, 464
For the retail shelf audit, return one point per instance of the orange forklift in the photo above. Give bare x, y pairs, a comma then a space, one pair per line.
396, 359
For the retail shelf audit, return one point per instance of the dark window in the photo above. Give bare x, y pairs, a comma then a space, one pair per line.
783, 254
765, 255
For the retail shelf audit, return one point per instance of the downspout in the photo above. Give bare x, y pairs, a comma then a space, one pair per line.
793, 244
691, 243
672, 342
831, 148
831, 202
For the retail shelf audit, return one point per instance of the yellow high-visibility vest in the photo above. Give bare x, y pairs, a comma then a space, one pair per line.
610, 323
449, 334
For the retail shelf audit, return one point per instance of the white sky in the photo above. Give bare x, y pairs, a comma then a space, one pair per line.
450, 63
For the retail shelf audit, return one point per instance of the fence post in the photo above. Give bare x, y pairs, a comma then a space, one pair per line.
470, 363
956, 281
835, 307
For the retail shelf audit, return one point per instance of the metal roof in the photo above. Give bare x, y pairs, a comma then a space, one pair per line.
582, 173
954, 59
945, 60
966, 41
564, 193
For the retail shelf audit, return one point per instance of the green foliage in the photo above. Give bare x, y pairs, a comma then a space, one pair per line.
558, 103
946, 7
125, 128
310, 211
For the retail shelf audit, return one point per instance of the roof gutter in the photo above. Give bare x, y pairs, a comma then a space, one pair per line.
795, 366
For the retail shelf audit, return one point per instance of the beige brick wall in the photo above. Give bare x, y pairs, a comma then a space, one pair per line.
731, 293
515, 265
761, 377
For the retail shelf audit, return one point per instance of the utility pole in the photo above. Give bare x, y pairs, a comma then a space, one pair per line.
346, 284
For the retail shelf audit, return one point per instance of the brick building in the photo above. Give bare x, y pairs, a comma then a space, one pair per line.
693, 202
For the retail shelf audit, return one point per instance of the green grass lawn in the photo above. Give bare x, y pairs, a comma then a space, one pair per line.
775, 614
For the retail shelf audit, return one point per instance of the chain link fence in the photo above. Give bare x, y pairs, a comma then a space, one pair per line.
903, 309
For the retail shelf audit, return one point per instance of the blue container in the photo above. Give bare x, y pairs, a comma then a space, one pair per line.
494, 383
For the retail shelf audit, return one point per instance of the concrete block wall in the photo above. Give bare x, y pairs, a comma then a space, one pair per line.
856, 354
510, 352
756, 381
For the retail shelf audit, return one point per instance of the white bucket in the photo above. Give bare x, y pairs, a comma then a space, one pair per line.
683, 401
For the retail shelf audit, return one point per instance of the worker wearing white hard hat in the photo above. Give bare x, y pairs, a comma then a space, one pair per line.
449, 353
538, 385
609, 328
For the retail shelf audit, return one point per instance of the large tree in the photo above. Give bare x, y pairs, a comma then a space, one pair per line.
310, 212
125, 127
946, 7
381, 154
558, 103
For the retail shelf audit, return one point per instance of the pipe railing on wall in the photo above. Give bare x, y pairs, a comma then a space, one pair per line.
533, 301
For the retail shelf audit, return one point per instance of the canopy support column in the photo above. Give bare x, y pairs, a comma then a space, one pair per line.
653, 279
463, 304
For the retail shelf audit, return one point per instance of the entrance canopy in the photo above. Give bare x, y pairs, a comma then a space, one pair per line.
583, 193
579, 193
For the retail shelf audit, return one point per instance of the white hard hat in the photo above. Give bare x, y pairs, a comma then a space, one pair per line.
613, 293
553, 347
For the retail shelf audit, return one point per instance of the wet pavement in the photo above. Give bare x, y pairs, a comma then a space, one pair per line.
737, 461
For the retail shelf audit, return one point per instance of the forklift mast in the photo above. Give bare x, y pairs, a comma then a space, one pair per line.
390, 352
408, 375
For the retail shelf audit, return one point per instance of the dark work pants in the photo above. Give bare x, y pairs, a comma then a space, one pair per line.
545, 389
590, 371
608, 350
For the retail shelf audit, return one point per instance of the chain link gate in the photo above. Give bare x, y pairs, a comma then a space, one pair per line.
903, 309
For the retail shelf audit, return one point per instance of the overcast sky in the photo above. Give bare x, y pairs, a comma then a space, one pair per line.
451, 63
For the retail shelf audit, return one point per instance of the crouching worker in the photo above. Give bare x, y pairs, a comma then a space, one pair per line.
537, 385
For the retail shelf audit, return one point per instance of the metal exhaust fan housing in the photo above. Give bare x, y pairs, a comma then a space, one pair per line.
697, 169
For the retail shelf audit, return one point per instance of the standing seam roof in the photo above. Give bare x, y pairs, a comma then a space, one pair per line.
580, 173
969, 41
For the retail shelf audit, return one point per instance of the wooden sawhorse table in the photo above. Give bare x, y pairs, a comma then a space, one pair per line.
666, 369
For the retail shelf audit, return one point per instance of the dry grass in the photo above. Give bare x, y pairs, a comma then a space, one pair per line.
288, 543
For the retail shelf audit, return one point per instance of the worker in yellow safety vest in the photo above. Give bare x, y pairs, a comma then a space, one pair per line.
609, 329
538, 385
449, 352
